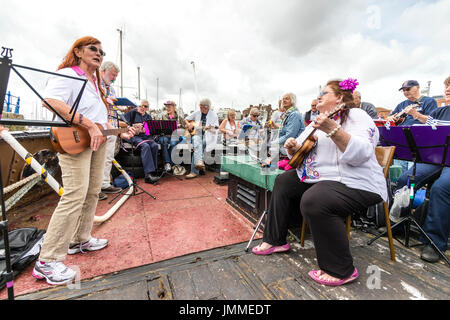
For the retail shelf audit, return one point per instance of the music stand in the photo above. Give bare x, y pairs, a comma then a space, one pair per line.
413, 143
134, 184
161, 128
6, 66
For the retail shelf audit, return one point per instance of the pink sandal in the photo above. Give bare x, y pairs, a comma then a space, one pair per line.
271, 250
315, 275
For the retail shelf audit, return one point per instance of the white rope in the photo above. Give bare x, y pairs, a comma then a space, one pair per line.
20, 183
28, 157
19, 194
124, 198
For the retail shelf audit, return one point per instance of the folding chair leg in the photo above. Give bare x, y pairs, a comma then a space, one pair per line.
302, 235
389, 231
348, 223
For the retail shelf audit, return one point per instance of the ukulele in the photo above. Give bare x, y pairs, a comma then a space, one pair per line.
76, 139
307, 141
400, 117
196, 126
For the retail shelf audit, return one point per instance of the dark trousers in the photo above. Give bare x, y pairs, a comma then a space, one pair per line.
437, 222
324, 205
149, 152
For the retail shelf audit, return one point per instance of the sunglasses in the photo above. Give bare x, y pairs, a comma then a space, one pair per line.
406, 89
145, 107
255, 115
322, 93
95, 49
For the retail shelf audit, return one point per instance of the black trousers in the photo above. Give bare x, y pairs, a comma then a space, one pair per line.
324, 205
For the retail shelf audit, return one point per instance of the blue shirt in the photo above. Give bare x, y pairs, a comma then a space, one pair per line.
442, 113
291, 127
427, 107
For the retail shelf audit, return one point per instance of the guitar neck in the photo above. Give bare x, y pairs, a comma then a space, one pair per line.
113, 132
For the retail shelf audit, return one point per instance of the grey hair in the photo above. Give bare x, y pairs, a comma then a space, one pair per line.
293, 98
108, 65
205, 102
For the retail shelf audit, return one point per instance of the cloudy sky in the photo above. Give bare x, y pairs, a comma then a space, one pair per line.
245, 51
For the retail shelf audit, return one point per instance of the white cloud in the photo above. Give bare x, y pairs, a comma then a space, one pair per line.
245, 52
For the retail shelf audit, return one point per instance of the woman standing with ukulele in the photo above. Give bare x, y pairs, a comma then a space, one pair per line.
339, 175
69, 230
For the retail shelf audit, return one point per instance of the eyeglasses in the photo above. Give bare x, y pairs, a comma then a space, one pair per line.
406, 89
95, 49
322, 93
144, 106
255, 115
313, 105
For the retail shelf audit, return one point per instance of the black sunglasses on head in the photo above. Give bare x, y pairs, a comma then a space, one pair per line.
95, 49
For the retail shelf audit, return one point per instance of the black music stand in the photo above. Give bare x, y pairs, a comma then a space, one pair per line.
134, 183
161, 128
414, 143
6, 66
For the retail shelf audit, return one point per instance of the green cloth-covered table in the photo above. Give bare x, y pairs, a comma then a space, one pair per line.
246, 168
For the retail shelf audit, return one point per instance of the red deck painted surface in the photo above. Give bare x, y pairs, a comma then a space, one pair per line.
187, 216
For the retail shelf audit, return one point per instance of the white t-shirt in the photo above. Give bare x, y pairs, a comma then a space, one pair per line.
357, 167
65, 89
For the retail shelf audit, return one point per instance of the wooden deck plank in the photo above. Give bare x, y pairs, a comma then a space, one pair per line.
159, 289
134, 291
182, 286
231, 273
204, 282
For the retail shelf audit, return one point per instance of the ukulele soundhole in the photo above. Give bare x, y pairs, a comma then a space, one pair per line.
75, 135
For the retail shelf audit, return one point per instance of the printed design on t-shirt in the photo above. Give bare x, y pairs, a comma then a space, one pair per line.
371, 135
309, 166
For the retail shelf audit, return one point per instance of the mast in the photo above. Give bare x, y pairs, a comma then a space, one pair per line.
139, 83
195, 84
121, 64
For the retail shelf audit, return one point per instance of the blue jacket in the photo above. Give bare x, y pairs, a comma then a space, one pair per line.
291, 127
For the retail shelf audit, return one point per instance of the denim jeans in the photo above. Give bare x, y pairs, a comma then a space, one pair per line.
199, 144
149, 152
167, 146
437, 222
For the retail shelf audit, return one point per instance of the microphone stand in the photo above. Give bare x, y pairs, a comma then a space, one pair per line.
134, 184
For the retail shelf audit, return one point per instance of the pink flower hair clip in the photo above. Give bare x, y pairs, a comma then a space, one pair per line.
349, 84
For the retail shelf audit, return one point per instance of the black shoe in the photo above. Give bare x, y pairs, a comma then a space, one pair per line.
151, 178
429, 254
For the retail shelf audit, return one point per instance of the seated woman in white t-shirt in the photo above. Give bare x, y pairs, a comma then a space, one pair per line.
340, 175
229, 127
69, 230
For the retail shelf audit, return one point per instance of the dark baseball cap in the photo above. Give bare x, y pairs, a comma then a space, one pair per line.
409, 84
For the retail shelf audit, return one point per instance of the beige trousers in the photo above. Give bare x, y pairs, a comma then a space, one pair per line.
73, 218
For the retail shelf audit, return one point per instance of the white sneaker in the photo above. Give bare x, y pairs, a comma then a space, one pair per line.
167, 167
54, 272
93, 244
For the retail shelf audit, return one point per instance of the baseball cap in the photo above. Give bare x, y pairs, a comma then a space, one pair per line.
169, 103
409, 84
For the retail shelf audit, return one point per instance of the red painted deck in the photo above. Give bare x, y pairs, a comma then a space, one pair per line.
187, 216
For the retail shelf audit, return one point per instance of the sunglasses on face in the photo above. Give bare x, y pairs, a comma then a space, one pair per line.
145, 107
322, 93
255, 115
406, 89
95, 49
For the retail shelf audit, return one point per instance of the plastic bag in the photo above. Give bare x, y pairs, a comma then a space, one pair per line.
401, 200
